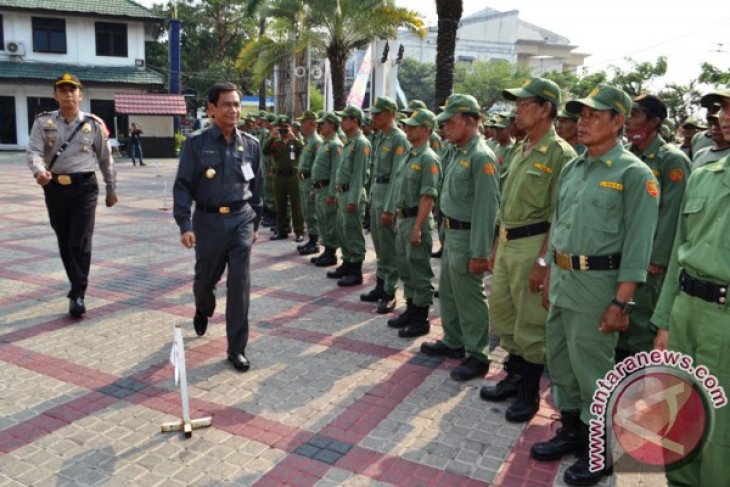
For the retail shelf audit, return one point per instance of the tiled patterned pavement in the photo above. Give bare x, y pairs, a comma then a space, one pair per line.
333, 398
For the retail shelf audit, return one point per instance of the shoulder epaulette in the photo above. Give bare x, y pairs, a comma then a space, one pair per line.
42, 114
95, 118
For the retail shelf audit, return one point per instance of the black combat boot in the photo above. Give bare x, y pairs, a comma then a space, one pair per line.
580, 474
569, 439
353, 275
507, 387
387, 303
528, 398
313, 242
328, 257
402, 320
340, 271
418, 325
376, 294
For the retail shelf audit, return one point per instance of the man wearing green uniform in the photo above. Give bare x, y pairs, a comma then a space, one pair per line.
567, 128
720, 147
671, 168
312, 143
417, 182
600, 244
528, 201
503, 144
284, 148
469, 201
324, 170
391, 149
350, 181
693, 314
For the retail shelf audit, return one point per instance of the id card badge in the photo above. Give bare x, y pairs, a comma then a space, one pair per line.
247, 171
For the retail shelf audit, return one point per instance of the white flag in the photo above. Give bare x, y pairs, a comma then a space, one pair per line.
175, 352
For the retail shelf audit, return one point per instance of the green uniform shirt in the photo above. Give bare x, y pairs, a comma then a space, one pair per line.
708, 155
284, 155
470, 192
435, 143
700, 140
418, 175
605, 206
531, 186
671, 168
306, 160
701, 245
353, 169
326, 162
391, 149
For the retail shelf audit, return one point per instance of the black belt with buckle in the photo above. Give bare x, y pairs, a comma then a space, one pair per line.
285, 172
341, 188
77, 177
705, 290
321, 183
223, 210
571, 262
382, 179
524, 231
408, 212
305, 175
453, 224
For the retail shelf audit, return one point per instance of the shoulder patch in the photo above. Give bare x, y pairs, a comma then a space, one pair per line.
366, 150
435, 145
434, 169
400, 150
542, 149
676, 175
652, 187
489, 168
339, 150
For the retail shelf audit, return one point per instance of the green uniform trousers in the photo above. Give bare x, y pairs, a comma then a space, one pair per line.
577, 356
349, 230
640, 335
327, 219
286, 190
464, 311
414, 263
309, 208
516, 314
702, 331
383, 240
269, 197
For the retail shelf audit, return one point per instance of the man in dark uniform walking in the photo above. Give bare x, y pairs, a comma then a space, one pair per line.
220, 171
65, 146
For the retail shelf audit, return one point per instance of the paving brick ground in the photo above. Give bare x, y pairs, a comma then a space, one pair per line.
333, 398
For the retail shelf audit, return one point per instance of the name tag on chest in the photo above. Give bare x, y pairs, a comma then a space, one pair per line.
247, 171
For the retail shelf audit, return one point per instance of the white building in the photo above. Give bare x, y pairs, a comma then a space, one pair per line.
490, 34
101, 41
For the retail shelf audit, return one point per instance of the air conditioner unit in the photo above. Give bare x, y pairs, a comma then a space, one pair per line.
15, 48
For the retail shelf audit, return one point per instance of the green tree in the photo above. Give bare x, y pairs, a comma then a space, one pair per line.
486, 80
713, 76
449, 15
417, 79
573, 85
635, 80
316, 99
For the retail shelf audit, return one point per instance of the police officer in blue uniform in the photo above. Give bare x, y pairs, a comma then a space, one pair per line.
220, 171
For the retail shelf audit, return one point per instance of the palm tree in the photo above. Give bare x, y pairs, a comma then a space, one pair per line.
449, 14
336, 28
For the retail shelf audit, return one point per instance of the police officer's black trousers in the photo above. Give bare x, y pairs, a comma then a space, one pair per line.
225, 240
72, 212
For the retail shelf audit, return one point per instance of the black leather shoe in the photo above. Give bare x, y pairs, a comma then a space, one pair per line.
339, 272
299, 238
470, 368
142, 163
439, 349
403, 319
528, 399
580, 474
387, 304
76, 307
507, 387
309, 250
326, 260
279, 236
437, 254
415, 329
200, 322
571, 438
350, 280
239, 361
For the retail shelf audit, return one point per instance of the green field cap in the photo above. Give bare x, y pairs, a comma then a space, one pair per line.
384, 104
603, 97
308, 115
421, 118
544, 88
715, 97
329, 117
352, 112
568, 115
458, 103
414, 105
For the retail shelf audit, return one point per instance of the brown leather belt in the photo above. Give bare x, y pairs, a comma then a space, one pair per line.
571, 262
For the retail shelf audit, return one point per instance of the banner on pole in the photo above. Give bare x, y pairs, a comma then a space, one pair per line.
360, 86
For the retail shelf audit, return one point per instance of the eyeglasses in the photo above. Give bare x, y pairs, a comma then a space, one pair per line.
526, 101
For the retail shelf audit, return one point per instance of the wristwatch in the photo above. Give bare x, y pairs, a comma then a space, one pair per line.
541, 262
626, 306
